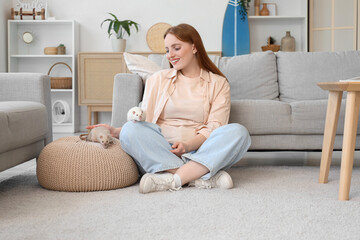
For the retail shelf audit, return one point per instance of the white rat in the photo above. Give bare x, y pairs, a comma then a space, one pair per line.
136, 114
99, 134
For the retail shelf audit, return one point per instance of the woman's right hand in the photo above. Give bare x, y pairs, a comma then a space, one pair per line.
113, 131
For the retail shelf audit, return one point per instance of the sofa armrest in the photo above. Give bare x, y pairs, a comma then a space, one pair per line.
128, 92
28, 87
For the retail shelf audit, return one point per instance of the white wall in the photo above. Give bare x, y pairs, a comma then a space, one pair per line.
205, 15
5, 7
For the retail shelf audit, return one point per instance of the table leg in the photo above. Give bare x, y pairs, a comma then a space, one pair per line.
347, 157
96, 117
332, 116
89, 115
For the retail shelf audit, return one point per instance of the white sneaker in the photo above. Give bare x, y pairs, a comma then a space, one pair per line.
221, 180
157, 182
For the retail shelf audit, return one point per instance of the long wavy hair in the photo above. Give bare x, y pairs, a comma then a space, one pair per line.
188, 33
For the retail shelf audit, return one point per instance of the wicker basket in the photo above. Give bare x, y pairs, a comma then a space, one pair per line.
60, 82
272, 47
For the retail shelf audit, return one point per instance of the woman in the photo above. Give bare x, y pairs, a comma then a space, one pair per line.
185, 138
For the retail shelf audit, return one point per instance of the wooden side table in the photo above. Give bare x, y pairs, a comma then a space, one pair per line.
96, 79
336, 90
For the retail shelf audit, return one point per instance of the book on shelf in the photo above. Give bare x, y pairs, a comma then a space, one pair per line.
355, 79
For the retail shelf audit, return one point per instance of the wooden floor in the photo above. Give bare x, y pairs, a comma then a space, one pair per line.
250, 159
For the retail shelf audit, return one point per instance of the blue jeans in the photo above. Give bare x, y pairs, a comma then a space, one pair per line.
151, 152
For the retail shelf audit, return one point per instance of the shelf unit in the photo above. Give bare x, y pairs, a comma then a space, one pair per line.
291, 16
24, 57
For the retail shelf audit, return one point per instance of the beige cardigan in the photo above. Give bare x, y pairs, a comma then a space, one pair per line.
160, 86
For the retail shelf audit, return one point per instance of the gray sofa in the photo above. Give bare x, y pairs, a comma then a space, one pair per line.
25, 117
275, 96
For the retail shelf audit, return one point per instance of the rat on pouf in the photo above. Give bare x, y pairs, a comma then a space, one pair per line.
185, 138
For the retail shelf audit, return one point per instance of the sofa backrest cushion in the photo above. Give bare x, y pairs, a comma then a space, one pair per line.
298, 72
251, 76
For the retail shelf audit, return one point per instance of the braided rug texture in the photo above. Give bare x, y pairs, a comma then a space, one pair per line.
71, 164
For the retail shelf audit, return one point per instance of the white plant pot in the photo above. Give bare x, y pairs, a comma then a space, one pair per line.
118, 45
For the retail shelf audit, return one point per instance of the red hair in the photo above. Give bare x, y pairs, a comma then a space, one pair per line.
188, 33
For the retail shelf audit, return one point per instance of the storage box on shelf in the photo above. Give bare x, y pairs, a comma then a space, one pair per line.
291, 16
30, 57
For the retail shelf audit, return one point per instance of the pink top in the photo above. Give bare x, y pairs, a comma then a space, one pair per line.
184, 107
184, 110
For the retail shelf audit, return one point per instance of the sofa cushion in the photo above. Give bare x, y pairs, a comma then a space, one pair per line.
298, 72
308, 117
21, 123
251, 76
263, 117
141, 65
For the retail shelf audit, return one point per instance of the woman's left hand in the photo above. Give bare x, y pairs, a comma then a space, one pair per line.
179, 148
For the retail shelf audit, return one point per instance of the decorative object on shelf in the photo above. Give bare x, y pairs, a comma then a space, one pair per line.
288, 43
119, 29
50, 50
61, 111
272, 9
270, 45
60, 82
155, 36
32, 13
257, 7
264, 10
61, 49
35, 9
235, 34
244, 7
27, 37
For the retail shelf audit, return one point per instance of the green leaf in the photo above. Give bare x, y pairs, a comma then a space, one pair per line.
114, 16
126, 26
119, 27
109, 29
116, 26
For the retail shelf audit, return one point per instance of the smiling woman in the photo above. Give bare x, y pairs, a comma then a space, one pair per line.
177, 50
185, 138
188, 35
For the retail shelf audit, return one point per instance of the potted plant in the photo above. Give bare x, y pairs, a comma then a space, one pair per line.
61, 49
244, 6
119, 29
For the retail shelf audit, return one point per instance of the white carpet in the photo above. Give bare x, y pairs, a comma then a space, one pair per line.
266, 203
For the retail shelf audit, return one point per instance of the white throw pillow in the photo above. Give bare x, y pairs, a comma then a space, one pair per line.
141, 65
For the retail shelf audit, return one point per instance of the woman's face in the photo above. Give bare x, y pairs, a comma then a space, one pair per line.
180, 54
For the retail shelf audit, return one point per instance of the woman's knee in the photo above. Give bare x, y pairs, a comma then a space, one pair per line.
239, 132
129, 130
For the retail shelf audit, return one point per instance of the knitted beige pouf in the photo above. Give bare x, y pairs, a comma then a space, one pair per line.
74, 165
